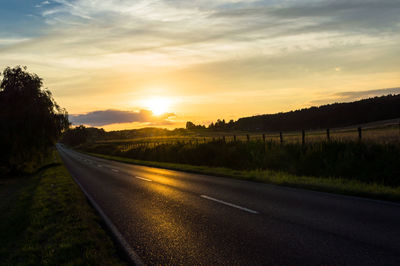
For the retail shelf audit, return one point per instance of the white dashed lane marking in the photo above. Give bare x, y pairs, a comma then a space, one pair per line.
229, 204
142, 178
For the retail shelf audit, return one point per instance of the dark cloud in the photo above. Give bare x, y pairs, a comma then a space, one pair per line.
365, 16
107, 117
350, 96
336, 8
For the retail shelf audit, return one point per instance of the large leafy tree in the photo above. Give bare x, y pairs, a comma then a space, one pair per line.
30, 119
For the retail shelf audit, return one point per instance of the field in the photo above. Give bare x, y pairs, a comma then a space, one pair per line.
385, 132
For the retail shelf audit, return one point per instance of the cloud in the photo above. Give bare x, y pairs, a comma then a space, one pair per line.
108, 117
211, 32
349, 96
181, 33
12, 41
44, 3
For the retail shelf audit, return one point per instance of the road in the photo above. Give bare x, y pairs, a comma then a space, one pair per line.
177, 218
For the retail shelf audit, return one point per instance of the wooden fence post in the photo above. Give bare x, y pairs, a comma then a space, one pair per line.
234, 137
303, 137
248, 137
281, 137
359, 133
265, 146
328, 135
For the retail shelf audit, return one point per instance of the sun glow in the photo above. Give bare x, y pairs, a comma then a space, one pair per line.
158, 106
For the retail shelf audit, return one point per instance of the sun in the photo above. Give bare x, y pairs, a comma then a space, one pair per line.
158, 106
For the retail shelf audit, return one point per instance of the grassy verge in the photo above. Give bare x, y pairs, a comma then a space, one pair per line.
46, 220
333, 185
352, 160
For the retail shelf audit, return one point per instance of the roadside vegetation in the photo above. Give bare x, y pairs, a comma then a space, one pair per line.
46, 220
31, 122
44, 217
352, 160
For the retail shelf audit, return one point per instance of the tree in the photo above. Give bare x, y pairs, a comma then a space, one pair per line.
82, 134
190, 125
30, 119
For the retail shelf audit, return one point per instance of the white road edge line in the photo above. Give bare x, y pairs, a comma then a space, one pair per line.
229, 204
114, 170
142, 178
121, 240
99, 165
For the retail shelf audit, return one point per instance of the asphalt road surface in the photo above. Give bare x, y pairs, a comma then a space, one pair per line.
171, 217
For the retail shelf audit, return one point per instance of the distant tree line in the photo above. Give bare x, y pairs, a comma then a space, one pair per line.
30, 120
325, 116
81, 134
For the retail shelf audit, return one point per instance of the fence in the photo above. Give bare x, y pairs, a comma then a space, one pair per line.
382, 134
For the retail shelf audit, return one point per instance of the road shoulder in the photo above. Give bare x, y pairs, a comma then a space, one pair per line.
46, 220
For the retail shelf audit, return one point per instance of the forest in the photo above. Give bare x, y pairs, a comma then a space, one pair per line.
322, 117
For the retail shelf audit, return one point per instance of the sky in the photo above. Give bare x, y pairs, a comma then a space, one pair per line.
122, 64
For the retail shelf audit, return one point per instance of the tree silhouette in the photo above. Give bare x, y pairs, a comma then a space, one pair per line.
191, 126
30, 119
81, 134
322, 117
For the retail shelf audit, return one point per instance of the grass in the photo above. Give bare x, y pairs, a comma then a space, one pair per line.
352, 160
46, 220
372, 132
333, 185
